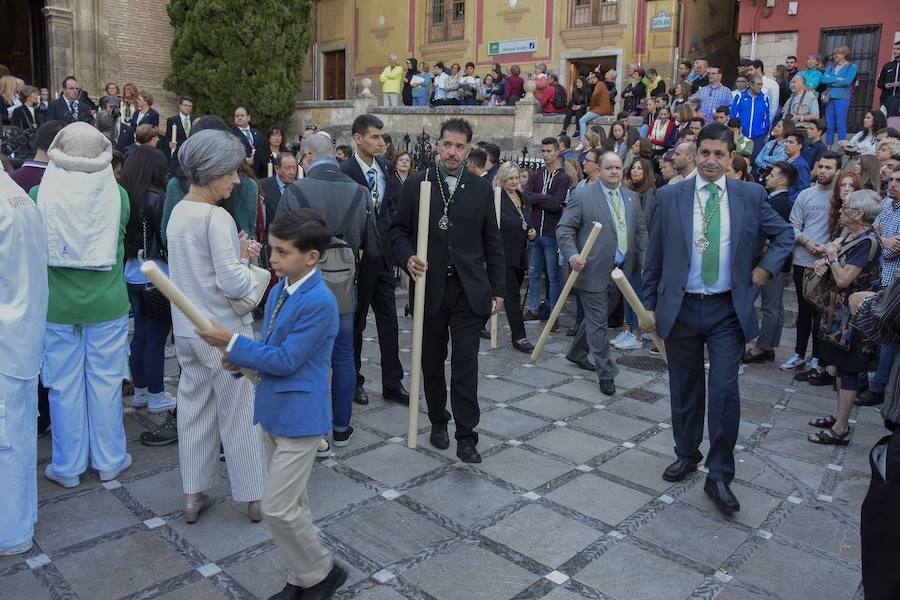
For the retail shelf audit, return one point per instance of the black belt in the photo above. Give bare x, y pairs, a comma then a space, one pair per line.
702, 296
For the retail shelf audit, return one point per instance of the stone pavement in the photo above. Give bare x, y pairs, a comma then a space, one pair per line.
568, 503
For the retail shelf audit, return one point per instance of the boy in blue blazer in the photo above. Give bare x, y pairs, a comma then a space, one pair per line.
293, 401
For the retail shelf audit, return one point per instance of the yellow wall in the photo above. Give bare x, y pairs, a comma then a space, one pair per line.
383, 28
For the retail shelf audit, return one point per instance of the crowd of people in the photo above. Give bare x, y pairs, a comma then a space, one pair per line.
722, 196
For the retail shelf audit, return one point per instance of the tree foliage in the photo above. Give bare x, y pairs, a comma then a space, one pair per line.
229, 53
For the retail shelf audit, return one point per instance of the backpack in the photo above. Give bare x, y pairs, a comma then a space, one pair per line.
339, 262
559, 97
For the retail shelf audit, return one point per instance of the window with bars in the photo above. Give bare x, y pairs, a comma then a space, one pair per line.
593, 13
446, 20
863, 42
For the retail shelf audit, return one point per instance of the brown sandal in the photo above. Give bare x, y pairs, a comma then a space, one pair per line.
824, 422
829, 437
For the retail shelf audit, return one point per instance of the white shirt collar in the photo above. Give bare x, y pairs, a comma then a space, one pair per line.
365, 168
296, 285
700, 183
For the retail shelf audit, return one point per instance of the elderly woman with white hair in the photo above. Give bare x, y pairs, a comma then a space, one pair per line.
515, 211
210, 264
852, 263
86, 343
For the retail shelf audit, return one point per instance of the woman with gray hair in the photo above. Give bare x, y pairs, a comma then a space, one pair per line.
852, 263
209, 263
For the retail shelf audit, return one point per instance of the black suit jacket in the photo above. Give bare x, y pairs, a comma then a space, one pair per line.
126, 137
472, 243
21, 118
515, 238
258, 139
385, 214
271, 196
58, 110
180, 134
151, 118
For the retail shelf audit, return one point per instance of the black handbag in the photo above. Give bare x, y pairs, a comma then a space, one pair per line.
153, 303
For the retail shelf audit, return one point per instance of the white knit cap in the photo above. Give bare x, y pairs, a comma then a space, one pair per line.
80, 147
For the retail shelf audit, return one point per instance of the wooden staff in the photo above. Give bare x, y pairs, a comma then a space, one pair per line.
494, 317
573, 276
177, 297
637, 306
415, 377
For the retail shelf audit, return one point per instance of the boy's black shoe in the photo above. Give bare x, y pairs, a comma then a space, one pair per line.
341, 438
328, 586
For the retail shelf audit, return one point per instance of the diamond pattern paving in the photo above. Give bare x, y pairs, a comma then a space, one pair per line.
559, 509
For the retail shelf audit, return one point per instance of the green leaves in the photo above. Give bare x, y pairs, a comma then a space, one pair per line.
228, 53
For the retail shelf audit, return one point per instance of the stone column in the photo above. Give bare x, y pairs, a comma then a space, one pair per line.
61, 40
365, 99
525, 111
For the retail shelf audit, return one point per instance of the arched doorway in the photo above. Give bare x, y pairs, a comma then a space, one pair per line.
23, 41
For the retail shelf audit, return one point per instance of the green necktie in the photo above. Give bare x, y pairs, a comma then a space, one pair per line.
186, 123
621, 232
711, 217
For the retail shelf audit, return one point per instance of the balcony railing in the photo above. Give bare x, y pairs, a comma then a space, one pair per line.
593, 13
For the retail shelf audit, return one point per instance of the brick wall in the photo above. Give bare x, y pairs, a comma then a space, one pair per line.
135, 48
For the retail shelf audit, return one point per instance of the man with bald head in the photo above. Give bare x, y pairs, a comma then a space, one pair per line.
621, 244
684, 158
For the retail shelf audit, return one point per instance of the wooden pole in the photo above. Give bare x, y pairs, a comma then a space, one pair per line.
638, 307
177, 297
494, 317
418, 314
567, 288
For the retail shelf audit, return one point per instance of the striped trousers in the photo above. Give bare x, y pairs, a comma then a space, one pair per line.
213, 406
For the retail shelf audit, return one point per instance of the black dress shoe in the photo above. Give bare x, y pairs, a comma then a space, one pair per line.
397, 394
765, 355
465, 450
721, 495
869, 398
290, 592
607, 387
679, 469
584, 363
523, 346
360, 396
327, 587
820, 379
570, 332
485, 334
439, 438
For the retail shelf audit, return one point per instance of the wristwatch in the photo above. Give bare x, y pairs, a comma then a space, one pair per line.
831, 261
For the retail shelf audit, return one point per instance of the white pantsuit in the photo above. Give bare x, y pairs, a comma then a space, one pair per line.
83, 368
18, 462
214, 406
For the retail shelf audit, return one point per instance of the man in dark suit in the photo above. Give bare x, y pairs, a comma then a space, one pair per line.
122, 133
251, 138
700, 279
70, 107
273, 187
493, 159
376, 273
182, 123
465, 281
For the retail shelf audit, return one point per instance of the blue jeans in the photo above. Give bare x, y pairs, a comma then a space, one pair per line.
886, 355
836, 115
637, 282
343, 375
147, 360
585, 120
542, 256
420, 101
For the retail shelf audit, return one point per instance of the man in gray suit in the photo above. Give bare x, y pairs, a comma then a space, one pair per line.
701, 277
622, 243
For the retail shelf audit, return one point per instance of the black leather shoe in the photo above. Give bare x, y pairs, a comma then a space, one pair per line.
869, 398
820, 379
328, 586
721, 495
485, 334
290, 592
679, 469
523, 346
439, 438
570, 332
607, 387
397, 394
584, 363
764, 356
465, 450
360, 396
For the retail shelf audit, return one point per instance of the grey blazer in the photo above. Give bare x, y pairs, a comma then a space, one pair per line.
586, 205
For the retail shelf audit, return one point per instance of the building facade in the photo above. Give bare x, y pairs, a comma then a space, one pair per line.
774, 29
